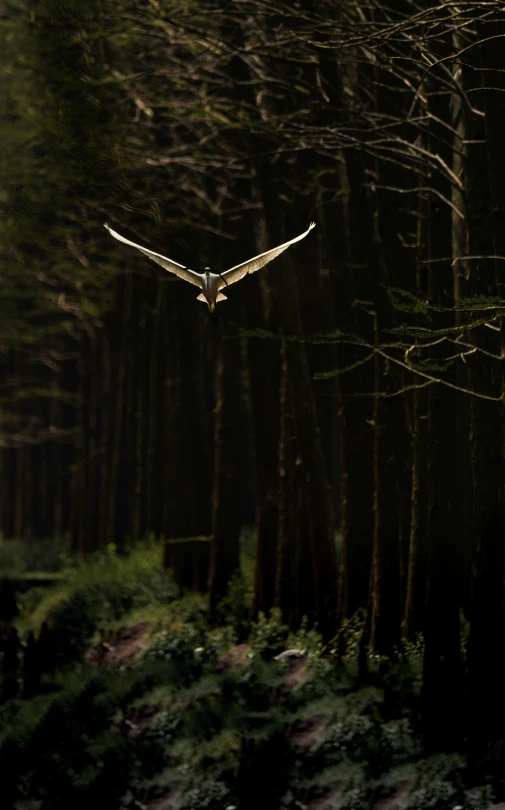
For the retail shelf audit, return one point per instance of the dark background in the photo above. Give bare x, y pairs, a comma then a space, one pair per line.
350, 400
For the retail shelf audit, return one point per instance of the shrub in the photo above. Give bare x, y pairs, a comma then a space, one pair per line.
97, 595
235, 608
268, 634
64, 750
176, 648
20, 556
209, 795
306, 638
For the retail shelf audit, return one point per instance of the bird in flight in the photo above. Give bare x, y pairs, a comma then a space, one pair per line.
211, 283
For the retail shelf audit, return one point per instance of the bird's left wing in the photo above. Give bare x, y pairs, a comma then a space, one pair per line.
236, 273
168, 264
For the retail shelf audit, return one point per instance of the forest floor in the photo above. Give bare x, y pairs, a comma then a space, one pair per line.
127, 696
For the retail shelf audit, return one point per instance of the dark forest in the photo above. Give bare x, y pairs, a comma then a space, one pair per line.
323, 466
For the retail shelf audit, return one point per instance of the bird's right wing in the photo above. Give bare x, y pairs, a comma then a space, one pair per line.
236, 273
168, 264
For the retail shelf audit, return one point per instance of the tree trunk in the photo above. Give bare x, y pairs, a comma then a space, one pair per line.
485, 171
116, 481
224, 553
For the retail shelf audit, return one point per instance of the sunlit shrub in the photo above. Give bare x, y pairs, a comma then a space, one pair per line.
176, 648
306, 638
268, 634
177, 644
352, 628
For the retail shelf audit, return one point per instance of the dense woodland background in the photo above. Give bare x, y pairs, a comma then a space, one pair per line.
353, 389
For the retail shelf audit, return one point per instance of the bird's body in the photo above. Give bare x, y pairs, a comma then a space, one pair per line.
211, 283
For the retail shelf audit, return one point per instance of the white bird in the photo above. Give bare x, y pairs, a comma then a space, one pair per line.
212, 283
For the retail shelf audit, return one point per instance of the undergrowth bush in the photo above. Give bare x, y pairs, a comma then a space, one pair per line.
97, 594
177, 646
73, 755
219, 733
209, 795
306, 638
234, 609
17, 557
268, 634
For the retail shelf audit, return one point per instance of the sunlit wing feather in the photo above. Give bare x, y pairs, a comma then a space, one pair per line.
179, 270
236, 273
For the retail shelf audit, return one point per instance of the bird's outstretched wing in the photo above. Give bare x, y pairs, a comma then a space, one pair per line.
236, 273
168, 264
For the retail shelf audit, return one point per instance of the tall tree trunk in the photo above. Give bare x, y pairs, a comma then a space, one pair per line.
347, 233
153, 428
55, 461
442, 687
485, 171
224, 554
313, 468
416, 565
116, 480
263, 357
105, 411
78, 473
295, 572
357, 438
385, 577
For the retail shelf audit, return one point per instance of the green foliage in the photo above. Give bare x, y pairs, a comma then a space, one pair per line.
439, 783
208, 795
406, 301
166, 725
268, 634
353, 736
352, 629
218, 640
72, 753
177, 646
212, 733
306, 638
189, 647
401, 680
101, 591
250, 690
361, 730
326, 375
235, 608
413, 650
217, 729
347, 785
18, 557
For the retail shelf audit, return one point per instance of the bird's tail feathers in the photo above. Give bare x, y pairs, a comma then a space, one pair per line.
220, 297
